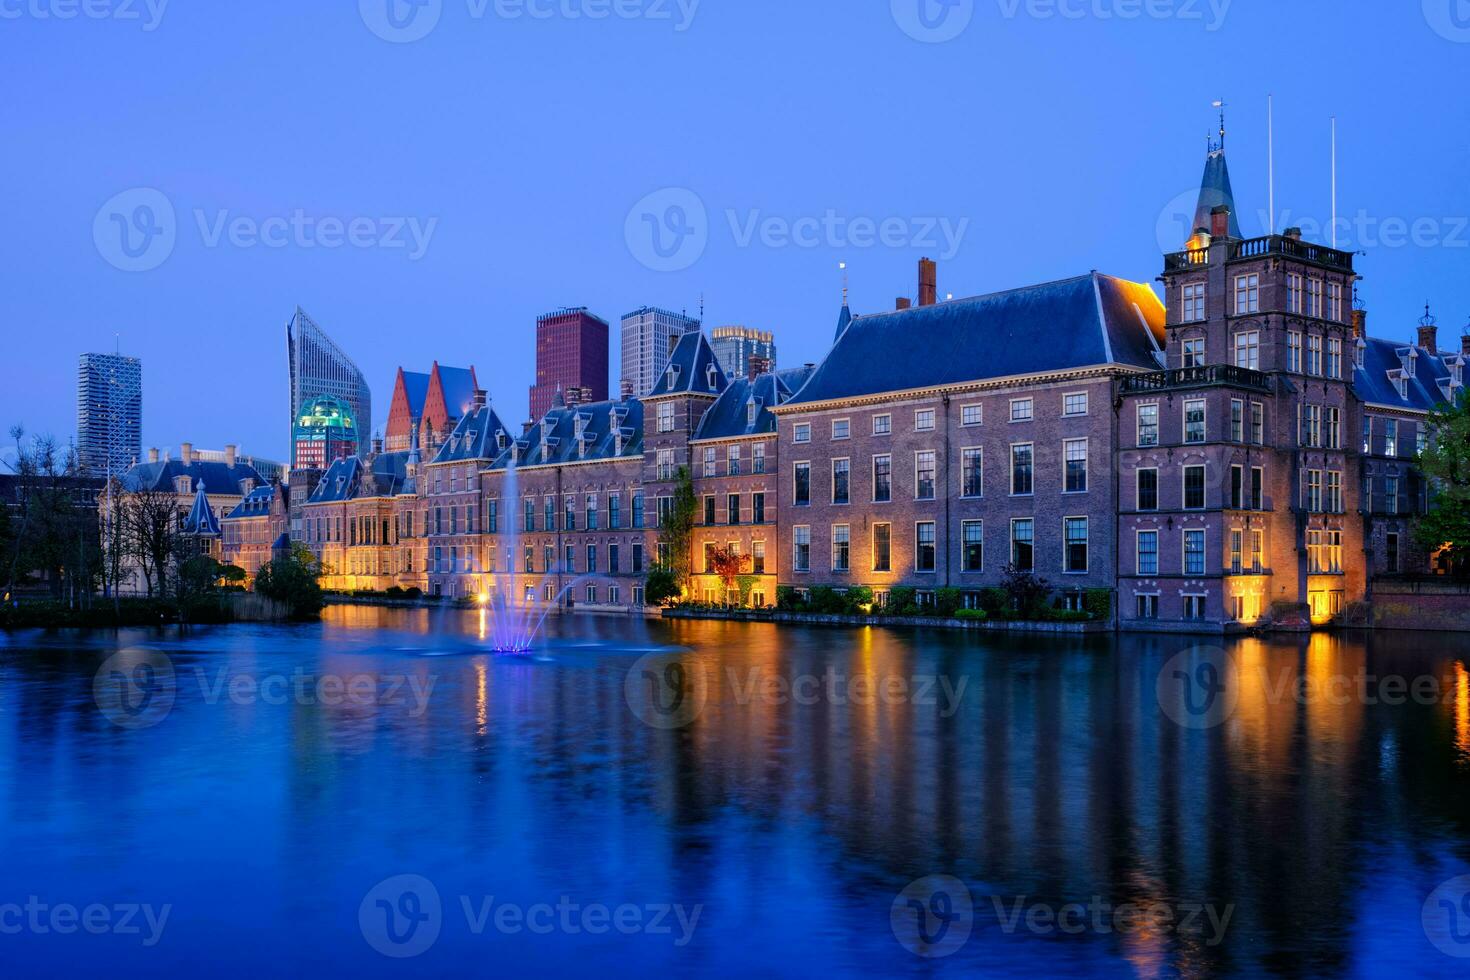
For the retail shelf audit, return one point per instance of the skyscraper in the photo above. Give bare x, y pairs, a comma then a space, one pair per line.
109, 412
649, 337
735, 346
571, 352
319, 367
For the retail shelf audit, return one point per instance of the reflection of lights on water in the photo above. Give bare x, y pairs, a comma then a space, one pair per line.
1462, 711
482, 700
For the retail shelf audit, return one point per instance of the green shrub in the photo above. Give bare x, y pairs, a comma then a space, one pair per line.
903, 601
974, 615
858, 598
1098, 603
947, 602
662, 587
789, 600
827, 601
994, 602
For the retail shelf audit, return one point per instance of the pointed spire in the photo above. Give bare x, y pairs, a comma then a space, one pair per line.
845, 316
1215, 189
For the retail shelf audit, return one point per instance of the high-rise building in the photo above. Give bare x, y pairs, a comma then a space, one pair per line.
109, 412
325, 432
571, 352
319, 367
735, 346
649, 337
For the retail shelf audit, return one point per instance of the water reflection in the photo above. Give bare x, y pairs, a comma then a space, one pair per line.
827, 770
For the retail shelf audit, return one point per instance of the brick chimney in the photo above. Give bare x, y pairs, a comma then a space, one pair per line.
1465, 345
902, 303
1295, 234
230, 453
1429, 338
153, 455
928, 282
186, 453
625, 389
755, 366
479, 400
1220, 222
1360, 323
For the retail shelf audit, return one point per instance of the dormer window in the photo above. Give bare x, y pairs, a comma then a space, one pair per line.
617, 442
182, 485
712, 373
751, 411
673, 375
1360, 352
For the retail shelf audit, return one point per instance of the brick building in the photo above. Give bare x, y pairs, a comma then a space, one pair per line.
571, 352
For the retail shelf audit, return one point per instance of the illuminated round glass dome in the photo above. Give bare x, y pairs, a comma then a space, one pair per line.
326, 417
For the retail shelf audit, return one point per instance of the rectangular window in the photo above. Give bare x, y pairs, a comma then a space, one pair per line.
1312, 491
1314, 298
1194, 552
1391, 494
732, 509
1334, 358
710, 466
1334, 492
1314, 355
973, 556
1023, 540
758, 558
1391, 552
972, 472
732, 460
1148, 607
1247, 294
571, 552
1148, 425
758, 458
841, 429
1075, 531
1333, 428
758, 507
638, 518
1248, 349
1237, 487
1237, 549
1237, 420
592, 559
709, 509
971, 415
1148, 552
1194, 302
1022, 409
924, 548
882, 425
1148, 489
882, 547
1021, 470
1194, 420
924, 420
1074, 452
591, 508
615, 512
1391, 437
801, 548
665, 464
925, 467
1194, 607
841, 481
529, 523
666, 417
1194, 353
1258, 552
801, 433
709, 557
882, 479
1075, 403
1334, 301
802, 476
1294, 352
1258, 488
614, 553
1258, 424
1293, 292
529, 559
1194, 488
841, 547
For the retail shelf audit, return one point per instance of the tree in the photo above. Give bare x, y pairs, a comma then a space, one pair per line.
152, 535
54, 532
661, 587
676, 533
729, 565
1445, 529
1026, 591
294, 580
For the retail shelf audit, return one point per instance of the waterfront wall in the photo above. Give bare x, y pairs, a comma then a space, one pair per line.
824, 619
1421, 605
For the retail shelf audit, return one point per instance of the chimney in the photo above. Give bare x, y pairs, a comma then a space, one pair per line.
1465, 345
230, 451
755, 366
1295, 234
377, 445
479, 399
153, 455
625, 389
1429, 338
1360, 323
1220, 222
527, 426
186, 453
902, 303
928, 282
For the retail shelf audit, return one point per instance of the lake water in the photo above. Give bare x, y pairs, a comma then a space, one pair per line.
375, 795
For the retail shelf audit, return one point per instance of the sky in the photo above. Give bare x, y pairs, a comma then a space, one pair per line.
425, 177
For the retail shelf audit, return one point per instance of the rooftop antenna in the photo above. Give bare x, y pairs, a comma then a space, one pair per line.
1334, 182
1220, 104
843, 267
1271, 159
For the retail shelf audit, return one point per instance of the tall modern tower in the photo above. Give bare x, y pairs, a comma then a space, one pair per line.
649, 337
735, 346
319, 367
571, 352
109, 412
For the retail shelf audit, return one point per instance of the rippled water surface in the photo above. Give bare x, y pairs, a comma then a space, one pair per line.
680, 799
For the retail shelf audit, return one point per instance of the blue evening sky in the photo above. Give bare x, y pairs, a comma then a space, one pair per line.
1047, 138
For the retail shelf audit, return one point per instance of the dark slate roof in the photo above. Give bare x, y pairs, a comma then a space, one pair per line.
416, 386
729, 417
1092, 320
474, 438
554, 439
219, 479
843, 319
201, 520
384, 475
459, 389
257, 503
1214, 191
688, 370
1371, 382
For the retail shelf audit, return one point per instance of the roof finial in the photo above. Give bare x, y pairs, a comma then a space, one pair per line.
1428, 320
1218, 104
843, 267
